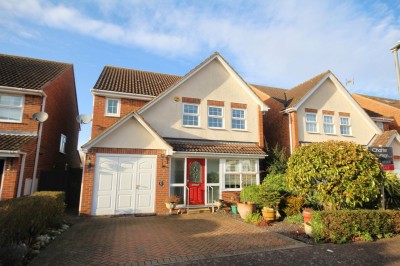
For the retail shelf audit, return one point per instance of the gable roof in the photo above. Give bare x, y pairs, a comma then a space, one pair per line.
377, 117
387, 101
119, 123
386, 138
230, 70
28, 73
117, 79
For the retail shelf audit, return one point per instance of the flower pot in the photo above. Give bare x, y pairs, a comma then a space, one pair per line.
308, 229
245, 208
234, 209
307, 215
268, 214
170, 206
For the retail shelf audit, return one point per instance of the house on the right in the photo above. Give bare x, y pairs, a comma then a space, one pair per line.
321, 109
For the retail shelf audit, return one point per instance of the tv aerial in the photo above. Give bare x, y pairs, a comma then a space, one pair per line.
84, 118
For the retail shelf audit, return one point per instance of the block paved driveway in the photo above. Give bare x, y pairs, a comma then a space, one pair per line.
158, 240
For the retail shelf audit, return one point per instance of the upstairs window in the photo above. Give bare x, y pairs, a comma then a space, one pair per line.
345, 125
311, 123
113, 107
329, 126
191, 115
215, 117
11, 108
63, 141
239, 119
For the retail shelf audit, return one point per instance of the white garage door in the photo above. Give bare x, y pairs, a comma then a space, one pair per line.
124, 184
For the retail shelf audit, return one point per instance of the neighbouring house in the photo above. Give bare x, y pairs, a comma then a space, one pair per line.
319, 109
155, 135
30, 150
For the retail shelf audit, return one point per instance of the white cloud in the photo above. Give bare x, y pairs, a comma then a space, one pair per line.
278, 43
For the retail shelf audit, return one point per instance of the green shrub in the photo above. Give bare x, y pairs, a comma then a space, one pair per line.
277, 160
345, 225
22, 219
291, 205
335, 174
253, 218
392, 190
296, 218
251, 194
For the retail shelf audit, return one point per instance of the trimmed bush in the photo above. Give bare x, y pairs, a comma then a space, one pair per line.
346, 225
292, 205
22, 219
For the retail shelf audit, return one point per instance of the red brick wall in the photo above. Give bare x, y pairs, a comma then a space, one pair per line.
162, 173
295, 130
260, 128
32, 105
61, 105
380, 108
101, 122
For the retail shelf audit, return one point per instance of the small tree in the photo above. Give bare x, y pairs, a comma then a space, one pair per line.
335, 174
276, 161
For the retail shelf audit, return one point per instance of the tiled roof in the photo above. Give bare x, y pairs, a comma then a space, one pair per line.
209, 146
373, 114
11, 142
289, 98
384, 138
134, 81
391, 102
28, 73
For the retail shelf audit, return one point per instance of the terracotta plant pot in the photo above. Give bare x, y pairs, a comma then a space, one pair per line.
268, 214
307, 215
245, 208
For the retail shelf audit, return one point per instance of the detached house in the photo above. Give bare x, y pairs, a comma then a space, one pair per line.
29, 149
199, 136
319, 109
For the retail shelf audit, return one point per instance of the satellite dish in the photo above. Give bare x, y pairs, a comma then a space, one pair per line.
84, 118
40, 117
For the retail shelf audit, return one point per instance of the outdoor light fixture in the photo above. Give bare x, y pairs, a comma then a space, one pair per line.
394, 50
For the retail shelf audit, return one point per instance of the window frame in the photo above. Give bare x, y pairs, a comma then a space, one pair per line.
215, 116
63, 143
345, 125
240, 119
118, 114
311, 122
329, 124
191, 114
240, 172
21, 107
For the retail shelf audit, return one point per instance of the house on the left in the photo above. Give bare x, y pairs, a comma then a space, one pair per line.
38, 130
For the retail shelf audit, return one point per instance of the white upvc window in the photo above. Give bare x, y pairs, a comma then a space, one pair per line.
380, 125
345, 128
240, 173
191, 115
11, 108
329, 125
215, 117
311, 123
238, 119
63, 141
113, 107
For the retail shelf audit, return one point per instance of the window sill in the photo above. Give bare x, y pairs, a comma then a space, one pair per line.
346, 135
217, 128
242, 130
10, 122
230, 189
191, 126
112, 115
313, 132
331, 134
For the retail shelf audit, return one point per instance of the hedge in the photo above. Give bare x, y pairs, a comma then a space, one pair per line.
22, 219
346, 225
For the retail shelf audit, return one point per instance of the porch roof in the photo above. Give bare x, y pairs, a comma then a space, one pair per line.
14, 142
212, 146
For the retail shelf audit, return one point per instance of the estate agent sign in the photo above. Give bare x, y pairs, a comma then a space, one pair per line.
385, 156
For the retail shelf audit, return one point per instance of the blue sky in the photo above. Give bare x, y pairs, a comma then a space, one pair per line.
273, 43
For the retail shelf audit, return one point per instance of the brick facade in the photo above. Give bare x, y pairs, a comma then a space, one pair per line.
101, 122
162, 174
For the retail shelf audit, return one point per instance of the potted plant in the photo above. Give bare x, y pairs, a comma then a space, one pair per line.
307, 214
171, 202
248, 195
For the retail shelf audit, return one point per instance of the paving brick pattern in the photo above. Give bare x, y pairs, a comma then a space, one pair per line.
157, 240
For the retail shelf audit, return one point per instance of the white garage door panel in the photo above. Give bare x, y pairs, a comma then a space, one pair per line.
124, 184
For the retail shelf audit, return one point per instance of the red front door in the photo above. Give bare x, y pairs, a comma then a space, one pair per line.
195, 180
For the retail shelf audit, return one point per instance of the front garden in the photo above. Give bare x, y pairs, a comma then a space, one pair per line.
339, 184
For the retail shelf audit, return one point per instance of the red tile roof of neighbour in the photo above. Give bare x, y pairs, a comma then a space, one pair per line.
210, 146
134, 81
290, 98
13, 142
28, 73
391, 102
384, 138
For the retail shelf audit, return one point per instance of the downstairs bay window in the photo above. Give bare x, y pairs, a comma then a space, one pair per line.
240, 173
